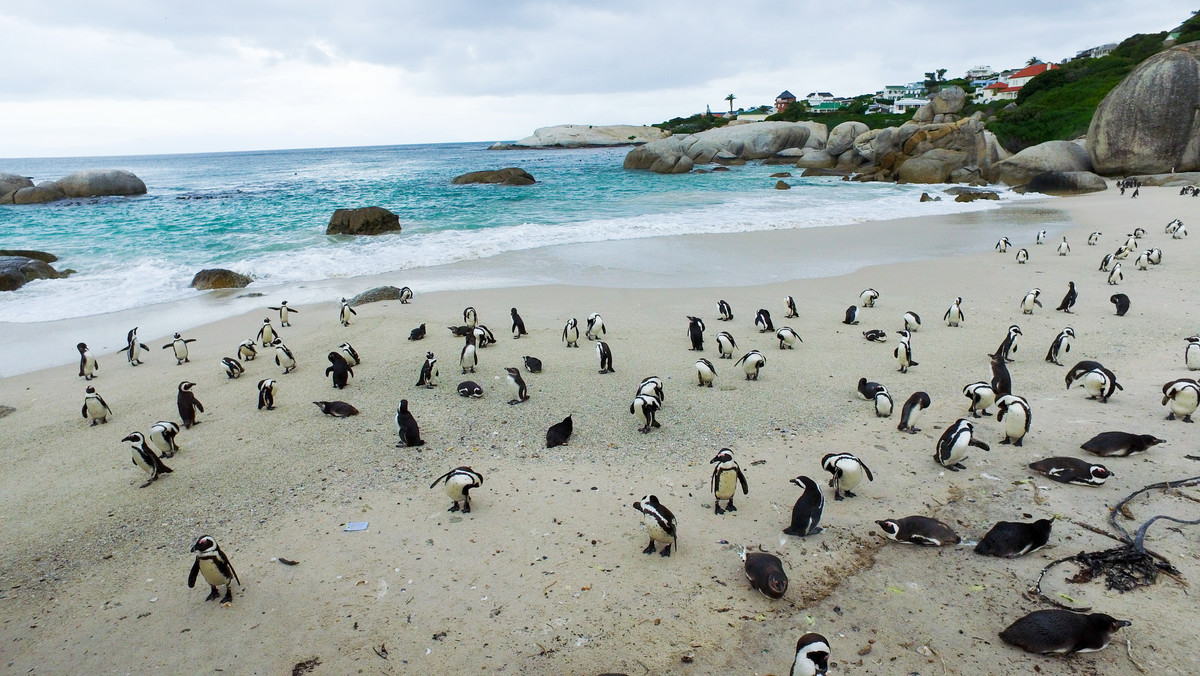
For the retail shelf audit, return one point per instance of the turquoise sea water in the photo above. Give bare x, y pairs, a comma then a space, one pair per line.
264, 214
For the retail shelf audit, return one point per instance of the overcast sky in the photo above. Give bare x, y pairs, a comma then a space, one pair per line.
146, 76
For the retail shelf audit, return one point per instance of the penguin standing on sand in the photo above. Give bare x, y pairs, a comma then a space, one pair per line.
1030, 301
903, 352
762, 319
180, 346
765, 573
516, 385
660, 524
788, 338
806, 513
233, 368
345, 312
605, 354
246, 350
695, 332
145, 458
1183, 395
1143, 260
1016, 415
1062, 343
724, 481
339, 369
417, 333
1093, 238
1106, 262
725, 311
1023, 256
652, 386
644, 406
1001, 379
595, 327
952, 447
134, 347
726, 345
1063, 247
518, 325
1121, 301
812, 656
911, 412
1062, 632
1011, 539
868, 297
851, 317
790, 304
188, 404
470, 317
559, 433
406, 295
883, 404
162, 437
1115, 276
1002, 245
752, 362
459, 482
212, 563
954, 316
1191, 353
1068, 300
848, 472
469, 357
267, 389
570, 334
705, 372
87, 362
1008, 345
266, 333
284, 313
350, 354
406, 427
1041, 238
284, 357
94, 407
1067, 470
429, 372
912, 321
919, 530
982, 395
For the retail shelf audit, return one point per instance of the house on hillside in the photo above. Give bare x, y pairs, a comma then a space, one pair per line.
1096, 52
1022, 77
903, 105
818, 97
1007, 87
980, 73
784, 100
892, 92
826, 106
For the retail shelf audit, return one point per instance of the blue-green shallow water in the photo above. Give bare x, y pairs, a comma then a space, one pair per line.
264, 214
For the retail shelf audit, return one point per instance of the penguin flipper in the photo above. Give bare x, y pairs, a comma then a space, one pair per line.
192, 575
441, 478
83, 410
199, 406
225, 566
868, 469
742, 480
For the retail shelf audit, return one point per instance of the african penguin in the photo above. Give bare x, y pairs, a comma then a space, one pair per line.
765, 573
752, 362
339, 370
725, 479
470, 317
87, 362
284, 313
725, 311
1001, 379
1008, 345
1016, 410
911, 412
336, 409
483, 336
1068, 300
233, 368
406, 295
812, 656
559, 433
1183, 395
1180, 232
847, 471
652, 386
1191, 353
134, 347
350, 354
459, 482
284, 357
1143, 260
705, 372
868, 297
982, 395
695, 332
726, 345
570, 333
762, 319
788, 338
470, 389
267, 389
94, 407
1030, 301
1012, 539
595, 327
851, 317
516, 385
407, 430
1069, 470
644, 407
1002, 245
1115, 276
266, 333
883, 404
1062, 343
903, 352
789, 304
1100, 384
246, 350
429, 372
1062, 632
660, 524
1122, 302
875, 335
1155, 255
518, 325
954, 316
806, 513
1120, 444
912, 321
952, 446
1041, 237
188, 404
344, 313
1063, 247
214, 565
1093, 238
868, 389
532, 364
605, 354
162, 438
919, 530
1023, 256
417, 333
1106, 262
145, 458
469, 356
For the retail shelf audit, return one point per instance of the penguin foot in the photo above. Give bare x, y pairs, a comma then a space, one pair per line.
849, 494
513, 401
1006, 440
710, 385
148, 482
655, 424
649, 548
838, 497
957, 466
913, 430
1188, 419
1170, 416
453, 508
644, 430
95, 422
730, 508
1018, 441
168, 454
228, 598
987, 414
717, 508
213, 594
666, 551
466, 508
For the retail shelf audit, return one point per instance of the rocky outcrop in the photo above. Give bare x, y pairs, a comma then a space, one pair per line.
782, 185
508, 176
15, 271
375, 295
1149, 123
219, 278
943, 107
678, 154
961, 148
364, 221
1049, 156
1065, 183
91, 183
842, 137
30, 253
972, 195
1167, 180
586, 136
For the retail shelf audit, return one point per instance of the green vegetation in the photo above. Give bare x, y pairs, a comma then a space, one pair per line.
694, 124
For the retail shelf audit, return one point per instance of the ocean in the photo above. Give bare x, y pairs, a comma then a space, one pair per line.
264, 214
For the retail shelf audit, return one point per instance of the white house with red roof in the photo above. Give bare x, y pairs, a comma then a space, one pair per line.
1006, 88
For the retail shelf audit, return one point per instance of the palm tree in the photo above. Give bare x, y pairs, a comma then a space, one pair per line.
730, 99
1032, 60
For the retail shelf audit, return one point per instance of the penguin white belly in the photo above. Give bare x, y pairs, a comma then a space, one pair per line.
1014, 423
726, 484
914, 416
455, 486
95, 409
640, 412
1184, 402
135, 351
142, 463
986, 399
958, 450
159, 443
852, 476
1094, 383
656, 532
1191, 357
181, 350
89, 365
212, 574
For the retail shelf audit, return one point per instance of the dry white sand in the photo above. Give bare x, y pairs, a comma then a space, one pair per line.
546, 575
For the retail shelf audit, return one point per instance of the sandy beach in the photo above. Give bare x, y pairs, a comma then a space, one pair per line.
546, 575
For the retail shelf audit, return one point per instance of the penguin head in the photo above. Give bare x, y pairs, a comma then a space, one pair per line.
323, 405
134, 437
812, 655
647, 502
82, 347
277, 342
724, 455
1100, 472
335, 357
186, 386
890, 528
513, 371
403, 406
90, 390
205, 544
176, 335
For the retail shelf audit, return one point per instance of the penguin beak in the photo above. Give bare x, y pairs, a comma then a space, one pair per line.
637, 506
715, 460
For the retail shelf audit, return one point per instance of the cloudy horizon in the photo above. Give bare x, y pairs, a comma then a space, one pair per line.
143, 78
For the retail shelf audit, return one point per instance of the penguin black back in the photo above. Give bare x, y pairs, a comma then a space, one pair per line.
406, 426
766, 574
806, 513
1062, 631
188, 404
417, 333
559, 433
339, 369
1001, 380
1121, 301
1010, 539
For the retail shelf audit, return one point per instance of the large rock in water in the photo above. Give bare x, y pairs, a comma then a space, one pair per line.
509, 176
842, 137
9, 184
15, 271
91, 183
1149, 123
1048, 156
586, 136
219, 278
677, 154
375, 295
364, 221
1065, 183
